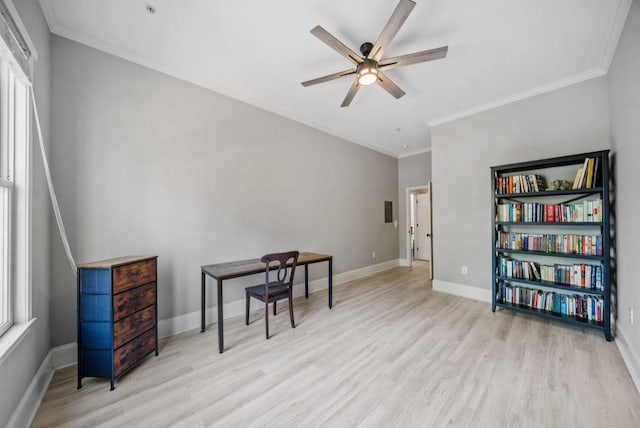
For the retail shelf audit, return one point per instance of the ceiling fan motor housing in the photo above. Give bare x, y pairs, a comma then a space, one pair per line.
365, 48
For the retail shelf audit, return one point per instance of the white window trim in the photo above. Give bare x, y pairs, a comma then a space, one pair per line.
12, 338
22, 210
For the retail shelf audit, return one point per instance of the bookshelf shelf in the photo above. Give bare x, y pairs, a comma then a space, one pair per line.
544, 253
549, 223
551, 315
589, 172
591, 191
554, 285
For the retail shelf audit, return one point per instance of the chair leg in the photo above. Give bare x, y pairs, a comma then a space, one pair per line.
274, 307
266, 318
247, 313
293, 323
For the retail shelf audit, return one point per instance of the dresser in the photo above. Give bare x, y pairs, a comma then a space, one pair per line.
117, 316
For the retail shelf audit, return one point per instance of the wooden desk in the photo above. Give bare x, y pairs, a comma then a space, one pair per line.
222, 271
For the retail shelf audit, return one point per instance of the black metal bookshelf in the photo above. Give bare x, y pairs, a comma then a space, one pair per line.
598, 188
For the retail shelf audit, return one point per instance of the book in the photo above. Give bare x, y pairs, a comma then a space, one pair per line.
589, 183
576, 181
583, 174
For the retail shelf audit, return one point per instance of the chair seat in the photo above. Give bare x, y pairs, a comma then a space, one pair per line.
275, 291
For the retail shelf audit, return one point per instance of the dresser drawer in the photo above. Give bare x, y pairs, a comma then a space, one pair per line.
134, 274
132, 352
133, 300
131, 326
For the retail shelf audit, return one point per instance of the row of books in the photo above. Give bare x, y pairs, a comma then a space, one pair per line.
587, 174
535, 212
520, 184
577, 275
582, 307
584, 245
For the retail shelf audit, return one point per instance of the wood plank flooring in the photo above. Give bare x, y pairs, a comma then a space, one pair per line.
391, 353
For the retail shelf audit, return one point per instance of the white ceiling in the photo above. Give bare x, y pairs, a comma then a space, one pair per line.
259, 52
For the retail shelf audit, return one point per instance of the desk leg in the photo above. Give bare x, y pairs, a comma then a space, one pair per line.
330, 283
220, 326
202, 304
306, 281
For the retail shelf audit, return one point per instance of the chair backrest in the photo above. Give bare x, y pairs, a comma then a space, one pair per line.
286, 268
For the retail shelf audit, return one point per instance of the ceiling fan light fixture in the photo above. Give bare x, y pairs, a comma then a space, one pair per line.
367, 72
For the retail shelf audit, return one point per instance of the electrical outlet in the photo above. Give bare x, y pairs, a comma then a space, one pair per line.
631, 315
464, 270
373, 254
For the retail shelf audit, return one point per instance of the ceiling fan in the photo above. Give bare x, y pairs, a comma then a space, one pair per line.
370, 66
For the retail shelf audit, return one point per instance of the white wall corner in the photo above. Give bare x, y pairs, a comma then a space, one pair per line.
629, 355
25, 412
405, 263
475, 293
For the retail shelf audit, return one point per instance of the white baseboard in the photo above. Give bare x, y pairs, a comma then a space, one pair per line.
461, 290
67, 355
631, 359
405, 262
25, 412
64, 356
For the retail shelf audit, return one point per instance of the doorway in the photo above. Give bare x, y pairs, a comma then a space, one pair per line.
419, 242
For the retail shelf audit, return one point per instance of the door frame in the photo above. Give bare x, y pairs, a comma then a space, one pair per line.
407, 198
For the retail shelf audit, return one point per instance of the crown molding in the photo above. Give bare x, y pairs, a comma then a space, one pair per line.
414, 153
615, 31
572, 80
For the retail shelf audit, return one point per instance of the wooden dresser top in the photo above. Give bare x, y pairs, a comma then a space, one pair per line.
115, 262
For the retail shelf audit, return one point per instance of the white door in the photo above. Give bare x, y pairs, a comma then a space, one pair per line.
423, 227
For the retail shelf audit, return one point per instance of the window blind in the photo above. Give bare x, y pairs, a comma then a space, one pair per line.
14, 41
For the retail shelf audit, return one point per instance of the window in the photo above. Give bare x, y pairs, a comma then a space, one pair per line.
14, 115
15, 287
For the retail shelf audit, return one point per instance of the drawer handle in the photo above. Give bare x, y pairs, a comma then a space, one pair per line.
132, 273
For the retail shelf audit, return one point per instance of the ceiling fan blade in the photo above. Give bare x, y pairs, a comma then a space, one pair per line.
414, 58
328, 78
388, 85
335, 44
352, 93
399, 15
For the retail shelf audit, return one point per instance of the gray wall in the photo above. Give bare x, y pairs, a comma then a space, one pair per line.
148, 164
571, 120
412, 171
19, 368
624, 96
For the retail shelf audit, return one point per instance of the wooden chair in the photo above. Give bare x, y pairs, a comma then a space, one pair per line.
281, 287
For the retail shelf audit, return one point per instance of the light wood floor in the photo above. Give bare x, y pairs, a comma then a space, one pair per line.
391, 353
